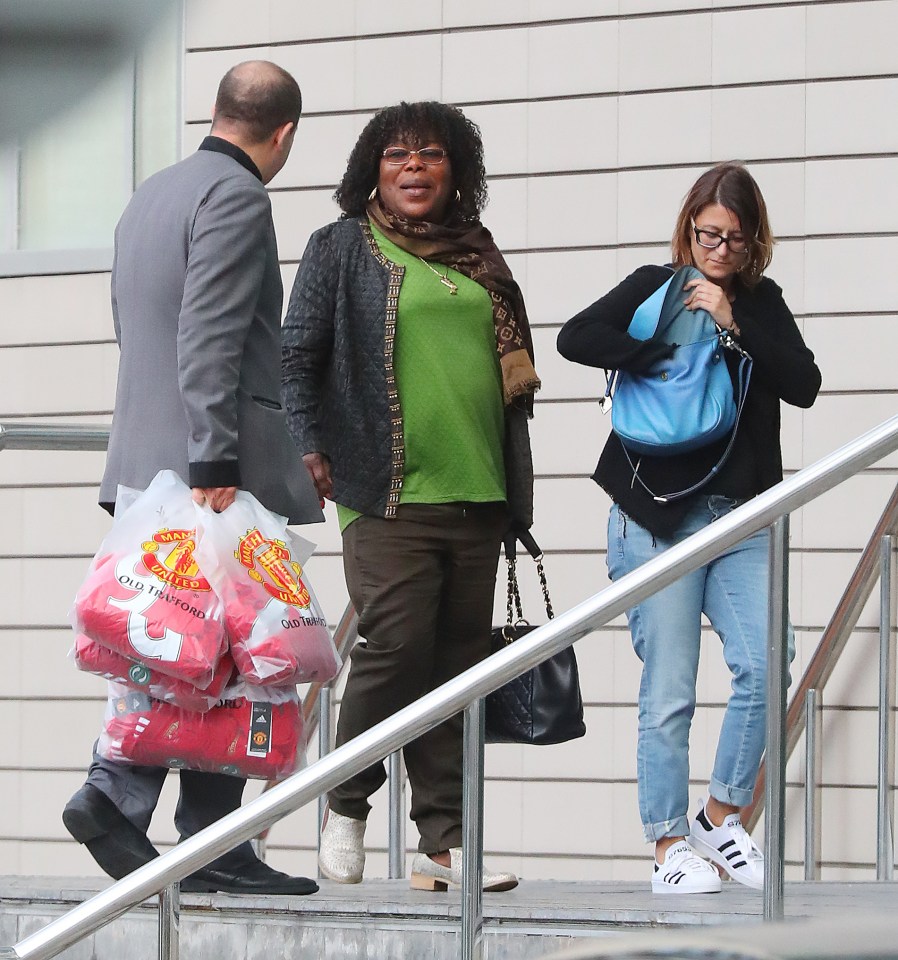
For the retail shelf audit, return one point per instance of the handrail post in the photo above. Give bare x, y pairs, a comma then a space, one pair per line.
813, 704
170, 922
396, 772
885, 848
832, 642
777, 683
472, 831
325, 739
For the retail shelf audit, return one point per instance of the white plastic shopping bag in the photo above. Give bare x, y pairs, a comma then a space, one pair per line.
275, 627
145, 597
251, 732
93, 657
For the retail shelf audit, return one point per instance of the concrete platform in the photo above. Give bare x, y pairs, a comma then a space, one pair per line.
383, 919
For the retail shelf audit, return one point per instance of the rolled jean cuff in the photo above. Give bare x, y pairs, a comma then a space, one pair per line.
678, 827
735, 796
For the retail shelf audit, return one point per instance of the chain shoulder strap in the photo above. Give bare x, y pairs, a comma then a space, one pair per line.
513, 608
541, 573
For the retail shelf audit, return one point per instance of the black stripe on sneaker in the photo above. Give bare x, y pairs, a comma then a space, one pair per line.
676, 877
737, 866
723, 846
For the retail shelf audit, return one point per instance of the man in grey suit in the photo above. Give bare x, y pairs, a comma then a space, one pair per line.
196, 299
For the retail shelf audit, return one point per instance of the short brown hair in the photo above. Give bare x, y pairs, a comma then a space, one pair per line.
260, 97
733, 187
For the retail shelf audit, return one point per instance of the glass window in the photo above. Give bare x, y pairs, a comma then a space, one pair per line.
64, 184
76, 172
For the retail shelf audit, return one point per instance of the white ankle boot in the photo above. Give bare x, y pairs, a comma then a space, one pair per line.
427, 874
341, 856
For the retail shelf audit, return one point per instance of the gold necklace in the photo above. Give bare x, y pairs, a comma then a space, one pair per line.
444, 278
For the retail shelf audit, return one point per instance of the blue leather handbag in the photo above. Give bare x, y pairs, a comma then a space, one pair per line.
686, 401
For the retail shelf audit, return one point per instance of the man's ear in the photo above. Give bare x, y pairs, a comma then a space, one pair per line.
283, 133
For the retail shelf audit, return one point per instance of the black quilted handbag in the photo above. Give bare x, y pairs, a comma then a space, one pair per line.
544, 704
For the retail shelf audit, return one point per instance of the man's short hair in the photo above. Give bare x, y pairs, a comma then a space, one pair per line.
258, 96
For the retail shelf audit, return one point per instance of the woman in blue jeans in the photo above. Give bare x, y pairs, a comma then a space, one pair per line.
723, 231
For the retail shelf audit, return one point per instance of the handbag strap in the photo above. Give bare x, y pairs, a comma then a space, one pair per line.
513, 600
743, 380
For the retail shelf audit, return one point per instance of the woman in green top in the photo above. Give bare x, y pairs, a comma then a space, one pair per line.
409, 380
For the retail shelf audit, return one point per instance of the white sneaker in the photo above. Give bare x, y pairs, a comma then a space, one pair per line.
341, 855
427, 874
684, 872
730, 846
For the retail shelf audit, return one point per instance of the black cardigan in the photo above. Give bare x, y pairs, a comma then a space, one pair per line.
337, 339
784, 369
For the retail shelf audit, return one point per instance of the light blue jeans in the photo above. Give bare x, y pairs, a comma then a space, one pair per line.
666, 629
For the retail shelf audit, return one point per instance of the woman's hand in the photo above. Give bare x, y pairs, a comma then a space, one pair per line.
319, 467
706, 295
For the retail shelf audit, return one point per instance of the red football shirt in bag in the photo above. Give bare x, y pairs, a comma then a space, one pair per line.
153, 605
241, 737
93, 657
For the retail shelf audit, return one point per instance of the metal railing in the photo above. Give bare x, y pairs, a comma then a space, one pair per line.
464, 692
843, 621
811, 698
53, 436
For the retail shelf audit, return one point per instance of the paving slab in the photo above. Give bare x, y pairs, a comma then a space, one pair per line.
384, 918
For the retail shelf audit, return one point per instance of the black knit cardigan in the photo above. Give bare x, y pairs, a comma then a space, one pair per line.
784, 369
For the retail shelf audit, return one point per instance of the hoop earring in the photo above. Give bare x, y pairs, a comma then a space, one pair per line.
373, 194
457, 196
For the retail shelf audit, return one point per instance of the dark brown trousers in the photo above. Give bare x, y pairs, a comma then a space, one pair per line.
423, 587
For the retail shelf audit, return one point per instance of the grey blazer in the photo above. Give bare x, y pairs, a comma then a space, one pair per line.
196, 301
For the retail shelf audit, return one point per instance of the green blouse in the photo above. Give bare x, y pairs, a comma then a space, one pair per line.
449, 385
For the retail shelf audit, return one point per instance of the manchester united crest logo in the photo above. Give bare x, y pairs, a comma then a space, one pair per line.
268, 562
169, 556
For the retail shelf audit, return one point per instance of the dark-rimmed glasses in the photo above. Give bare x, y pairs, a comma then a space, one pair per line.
431, 156
711, 239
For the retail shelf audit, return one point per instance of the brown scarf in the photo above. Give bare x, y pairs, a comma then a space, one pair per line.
469, 248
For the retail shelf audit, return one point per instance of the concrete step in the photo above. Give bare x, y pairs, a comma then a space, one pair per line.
383, 919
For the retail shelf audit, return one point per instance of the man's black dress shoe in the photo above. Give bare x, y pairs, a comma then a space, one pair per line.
110, 837
120, 848
254, 877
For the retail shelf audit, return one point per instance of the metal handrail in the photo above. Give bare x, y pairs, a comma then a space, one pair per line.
53, 436
844, 619
455, 695
41, 436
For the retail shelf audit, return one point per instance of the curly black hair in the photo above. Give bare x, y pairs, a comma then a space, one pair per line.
416, 124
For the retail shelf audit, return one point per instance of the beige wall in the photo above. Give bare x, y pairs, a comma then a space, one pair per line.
596, 117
